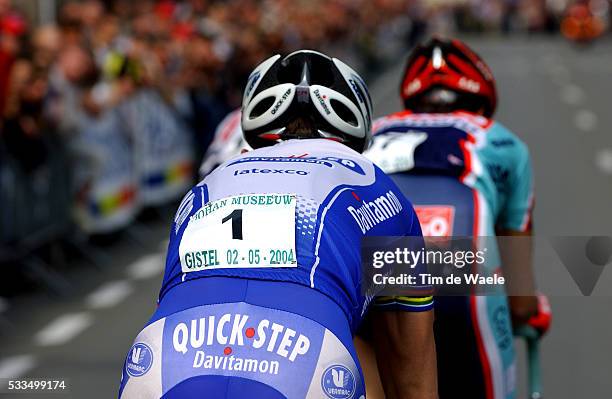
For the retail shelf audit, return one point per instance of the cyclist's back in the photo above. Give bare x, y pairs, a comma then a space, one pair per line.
455, 193
317, 180
476, 151
262, 289
467, 176
288, 204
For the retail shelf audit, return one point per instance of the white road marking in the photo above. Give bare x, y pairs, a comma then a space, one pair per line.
16, 366
572, 94
63, 329
560, 74
109, 294
603, 160
146, 267
585, 120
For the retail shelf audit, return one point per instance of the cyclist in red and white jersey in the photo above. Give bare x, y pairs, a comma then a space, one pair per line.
228, 142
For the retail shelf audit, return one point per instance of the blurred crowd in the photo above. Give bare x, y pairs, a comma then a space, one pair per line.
506, 16
110, 109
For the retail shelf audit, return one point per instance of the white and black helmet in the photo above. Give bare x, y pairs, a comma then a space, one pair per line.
309, 84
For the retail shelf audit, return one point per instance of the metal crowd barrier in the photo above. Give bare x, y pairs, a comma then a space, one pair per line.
35, 214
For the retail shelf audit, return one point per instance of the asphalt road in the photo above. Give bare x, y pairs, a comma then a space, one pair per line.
556, 97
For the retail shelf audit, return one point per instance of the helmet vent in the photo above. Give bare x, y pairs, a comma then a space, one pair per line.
344, 112
365, 97
438, 58
261, 107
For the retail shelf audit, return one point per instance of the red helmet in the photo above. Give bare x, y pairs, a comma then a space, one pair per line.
453, 67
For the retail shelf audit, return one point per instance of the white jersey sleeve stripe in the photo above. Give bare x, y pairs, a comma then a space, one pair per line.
316, 262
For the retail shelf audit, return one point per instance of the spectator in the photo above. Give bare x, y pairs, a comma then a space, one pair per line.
24, 124
12, 29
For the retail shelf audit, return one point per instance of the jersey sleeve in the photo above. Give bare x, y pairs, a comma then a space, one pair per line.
422, 300
516, 211
193, 200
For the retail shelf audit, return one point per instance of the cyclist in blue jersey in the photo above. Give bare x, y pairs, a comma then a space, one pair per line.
467, 175
262, 289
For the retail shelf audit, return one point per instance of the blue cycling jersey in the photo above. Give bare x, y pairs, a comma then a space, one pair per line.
295, 212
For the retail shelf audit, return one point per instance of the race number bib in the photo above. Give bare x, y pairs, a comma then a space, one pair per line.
393, 152
243, 231
436, 220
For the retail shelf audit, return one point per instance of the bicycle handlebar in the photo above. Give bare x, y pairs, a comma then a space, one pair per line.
532, 338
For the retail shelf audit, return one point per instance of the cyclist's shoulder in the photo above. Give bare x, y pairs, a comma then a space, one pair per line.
229, 125
465, 121
502, 141
498, 130
392, 119
314, 152
227, 142
316, 167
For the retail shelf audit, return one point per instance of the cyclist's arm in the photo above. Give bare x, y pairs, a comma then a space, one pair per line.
516, 257
404, 339
406, 354
367, 360
402, 326
516, 250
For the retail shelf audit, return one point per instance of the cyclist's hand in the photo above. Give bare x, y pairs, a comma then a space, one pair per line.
542, 320
522, 309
